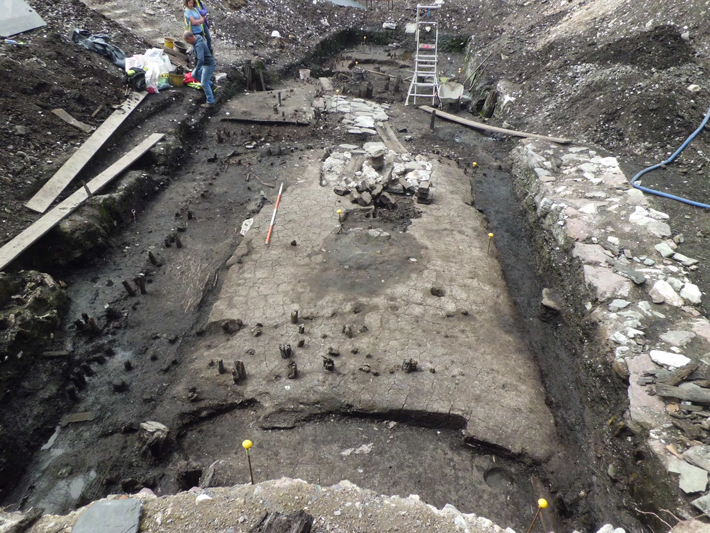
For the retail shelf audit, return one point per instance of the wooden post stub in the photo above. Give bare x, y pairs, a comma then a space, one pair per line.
140, 282
128, 288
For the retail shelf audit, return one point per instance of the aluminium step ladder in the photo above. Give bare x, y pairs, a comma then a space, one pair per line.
425, 80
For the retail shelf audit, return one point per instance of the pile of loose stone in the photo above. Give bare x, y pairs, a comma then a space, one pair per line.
382, 174
242, 508
640, 297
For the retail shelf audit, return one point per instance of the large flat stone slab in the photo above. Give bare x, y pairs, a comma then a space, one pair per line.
110, 516
474, 370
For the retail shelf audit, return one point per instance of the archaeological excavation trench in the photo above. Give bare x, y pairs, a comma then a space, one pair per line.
393, 342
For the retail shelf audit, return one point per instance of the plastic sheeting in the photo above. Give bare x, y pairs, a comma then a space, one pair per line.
101, 45
18, 17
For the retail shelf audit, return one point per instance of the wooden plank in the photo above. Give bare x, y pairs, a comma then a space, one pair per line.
386, 138
57, 183
32, 234
266, 122
679, 375
66, 117
692, 393
395, 140
87, 416
485, 127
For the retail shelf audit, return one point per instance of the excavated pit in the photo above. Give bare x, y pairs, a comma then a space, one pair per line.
391, 450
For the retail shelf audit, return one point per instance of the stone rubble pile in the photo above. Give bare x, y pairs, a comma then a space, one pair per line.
639, 295
371, 175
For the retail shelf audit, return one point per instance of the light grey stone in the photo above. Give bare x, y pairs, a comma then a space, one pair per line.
649, 262
658, 229
675, 283
677, 337
668, 359
605, 283
621, 352
375, 149
698, 456
377, 233
664, 249
685, 261
551, 300
658, 215
703, 503
633, 323
633, 333
620, 338
692, 478
644, 306
617, 305
114, 516
691, 293
631, 314
606, 528
663, 292
589, 253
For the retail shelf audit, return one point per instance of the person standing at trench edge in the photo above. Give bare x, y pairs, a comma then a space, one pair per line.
205, 65
196, 20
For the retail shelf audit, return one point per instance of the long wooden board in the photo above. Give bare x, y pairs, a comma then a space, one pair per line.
486, 127
30, 235
266, 122
389, 137
66, 117
57, 183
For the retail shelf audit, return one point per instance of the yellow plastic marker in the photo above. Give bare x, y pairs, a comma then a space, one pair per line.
246, 445
490, 238
541, 503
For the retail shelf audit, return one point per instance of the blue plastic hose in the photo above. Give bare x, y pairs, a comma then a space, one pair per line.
670, 160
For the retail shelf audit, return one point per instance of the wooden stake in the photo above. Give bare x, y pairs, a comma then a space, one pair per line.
140, 281
129, 289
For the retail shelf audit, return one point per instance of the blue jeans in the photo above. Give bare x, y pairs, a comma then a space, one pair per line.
205, 77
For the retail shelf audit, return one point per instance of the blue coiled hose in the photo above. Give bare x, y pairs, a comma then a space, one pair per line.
670, 160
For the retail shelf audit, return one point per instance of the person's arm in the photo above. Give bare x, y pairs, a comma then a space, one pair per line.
197, 22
